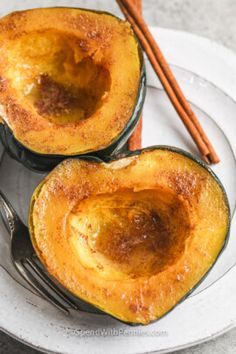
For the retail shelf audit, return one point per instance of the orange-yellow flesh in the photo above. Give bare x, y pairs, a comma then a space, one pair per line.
132, 237
68, 78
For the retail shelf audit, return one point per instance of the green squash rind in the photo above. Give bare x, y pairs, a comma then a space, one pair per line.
89, 307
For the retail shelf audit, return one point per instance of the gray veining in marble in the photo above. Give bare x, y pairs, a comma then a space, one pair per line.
214, 19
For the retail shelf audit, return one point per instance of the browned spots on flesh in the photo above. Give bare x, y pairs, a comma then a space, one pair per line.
54, 98
7, 26
106, 292
148, 293
93, 35
55, 186
18, 15
93, 28
77, 193
13, 23
21, 117
185, 183
86, 22
100, 267
79, 22
72, 194
90, 166
84, 237
83, 45
136, 308
70, 20
3, 84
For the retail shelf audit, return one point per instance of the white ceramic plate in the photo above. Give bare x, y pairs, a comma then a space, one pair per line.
207, 74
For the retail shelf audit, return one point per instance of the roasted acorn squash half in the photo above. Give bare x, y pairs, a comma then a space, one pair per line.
72, 82
133, 237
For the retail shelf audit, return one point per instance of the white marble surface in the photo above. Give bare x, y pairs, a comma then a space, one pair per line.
214, 19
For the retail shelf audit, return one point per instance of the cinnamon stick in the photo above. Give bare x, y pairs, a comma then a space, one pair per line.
138, 4
135, 141
168, 81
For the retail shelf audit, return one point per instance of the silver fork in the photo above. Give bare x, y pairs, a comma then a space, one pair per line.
26, 261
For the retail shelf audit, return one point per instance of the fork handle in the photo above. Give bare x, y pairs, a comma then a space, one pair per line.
8, 214
5, 222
